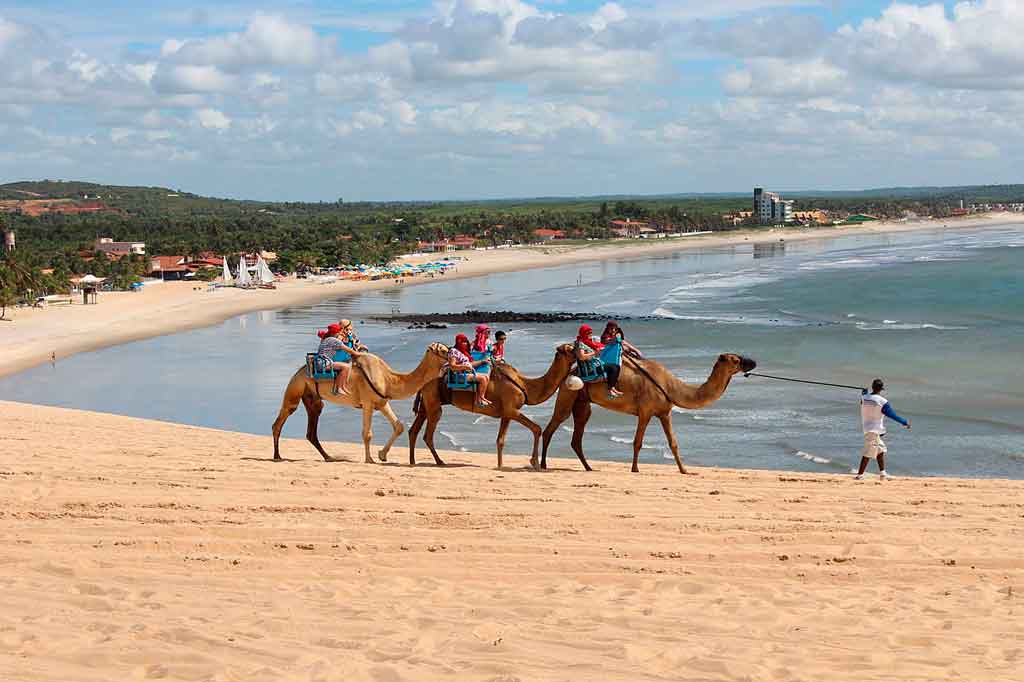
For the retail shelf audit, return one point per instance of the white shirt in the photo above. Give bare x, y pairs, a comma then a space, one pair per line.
871, 416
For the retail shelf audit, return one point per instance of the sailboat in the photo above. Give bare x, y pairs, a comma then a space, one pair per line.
227, 271
244, 278
264, 277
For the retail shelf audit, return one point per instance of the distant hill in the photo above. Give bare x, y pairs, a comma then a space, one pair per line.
135, 200
73, 189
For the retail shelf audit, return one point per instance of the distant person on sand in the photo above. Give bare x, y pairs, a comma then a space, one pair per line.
333, 353
873, 411
614, 342
459, 360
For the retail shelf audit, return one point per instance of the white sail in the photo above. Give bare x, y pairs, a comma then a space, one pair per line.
244, 279
263, 273
227, 271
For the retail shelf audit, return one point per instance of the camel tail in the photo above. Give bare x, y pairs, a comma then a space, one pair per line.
417, 403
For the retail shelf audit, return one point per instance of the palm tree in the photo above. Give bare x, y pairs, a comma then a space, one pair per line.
16, 279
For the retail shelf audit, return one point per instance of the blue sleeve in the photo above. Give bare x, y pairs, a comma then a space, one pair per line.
888, 412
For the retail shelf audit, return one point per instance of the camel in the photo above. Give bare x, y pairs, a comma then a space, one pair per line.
508, 392
372, 384
651, 390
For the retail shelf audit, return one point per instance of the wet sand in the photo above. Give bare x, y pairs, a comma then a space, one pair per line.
140, 550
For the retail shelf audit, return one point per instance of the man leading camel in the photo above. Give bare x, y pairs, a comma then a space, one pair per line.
873, 411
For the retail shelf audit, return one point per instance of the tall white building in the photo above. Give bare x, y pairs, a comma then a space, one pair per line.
772, 209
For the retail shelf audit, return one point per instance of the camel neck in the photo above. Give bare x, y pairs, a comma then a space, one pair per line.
401, 386
541, 388
693, 397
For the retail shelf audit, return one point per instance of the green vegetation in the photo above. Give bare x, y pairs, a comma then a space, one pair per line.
16, 280
311, 235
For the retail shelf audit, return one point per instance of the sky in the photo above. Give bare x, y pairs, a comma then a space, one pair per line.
462, 99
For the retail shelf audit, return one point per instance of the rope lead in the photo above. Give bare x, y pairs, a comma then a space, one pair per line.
803, 381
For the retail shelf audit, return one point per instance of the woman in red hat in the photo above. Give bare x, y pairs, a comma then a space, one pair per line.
331, 343
587, 350
460, 360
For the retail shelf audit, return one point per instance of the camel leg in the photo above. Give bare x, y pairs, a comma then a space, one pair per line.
502, 429
673, 444
535, 430
414, 431
433, 419
563, 408
288, 407
314, 406
367, 432
581, 411
397, 427
638, 440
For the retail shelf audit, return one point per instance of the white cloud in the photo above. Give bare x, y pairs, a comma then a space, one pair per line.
141, 72
608, 13
548, 100
773, 77
119, 134
978, 47
212, 119
188, 78
268, 40
152, 119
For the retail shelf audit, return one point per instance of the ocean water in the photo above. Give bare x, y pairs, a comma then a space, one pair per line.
939, 315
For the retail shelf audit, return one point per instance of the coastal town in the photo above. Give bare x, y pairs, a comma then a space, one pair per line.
110, 264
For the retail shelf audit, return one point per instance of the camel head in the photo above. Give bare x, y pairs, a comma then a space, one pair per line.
564, 350
438, 349
736, 363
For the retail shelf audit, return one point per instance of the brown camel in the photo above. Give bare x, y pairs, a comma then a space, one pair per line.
508, 391
651, 390
372, 384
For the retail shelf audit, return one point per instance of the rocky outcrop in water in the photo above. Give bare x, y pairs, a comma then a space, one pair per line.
442, 320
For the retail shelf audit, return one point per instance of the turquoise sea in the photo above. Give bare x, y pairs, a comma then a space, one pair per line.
939, 315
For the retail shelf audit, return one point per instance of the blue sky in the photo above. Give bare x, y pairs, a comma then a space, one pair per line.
404, 99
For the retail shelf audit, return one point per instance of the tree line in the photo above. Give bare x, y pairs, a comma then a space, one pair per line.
327, 234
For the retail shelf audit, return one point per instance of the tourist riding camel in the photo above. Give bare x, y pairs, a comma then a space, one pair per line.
372, 385
649, 390
507, 392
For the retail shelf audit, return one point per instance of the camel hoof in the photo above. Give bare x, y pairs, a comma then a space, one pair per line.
383, 454
328, 458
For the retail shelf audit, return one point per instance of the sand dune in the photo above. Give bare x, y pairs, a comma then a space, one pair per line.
144, 550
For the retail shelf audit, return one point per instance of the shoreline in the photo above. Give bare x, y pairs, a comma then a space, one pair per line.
173, 307
139, 549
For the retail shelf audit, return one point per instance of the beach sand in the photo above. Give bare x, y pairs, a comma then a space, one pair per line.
35, 336
140, 550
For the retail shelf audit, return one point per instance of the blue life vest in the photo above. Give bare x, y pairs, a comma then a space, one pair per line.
612, 353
